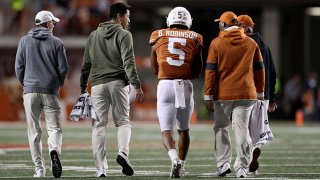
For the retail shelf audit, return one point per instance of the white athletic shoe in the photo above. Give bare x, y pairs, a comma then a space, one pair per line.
40, 173
241, 173
175, 169
101, 173
223, 170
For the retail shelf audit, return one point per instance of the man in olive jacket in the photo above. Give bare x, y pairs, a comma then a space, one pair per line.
110, 58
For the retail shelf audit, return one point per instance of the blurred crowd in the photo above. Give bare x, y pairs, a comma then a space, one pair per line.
80, 17
300, 94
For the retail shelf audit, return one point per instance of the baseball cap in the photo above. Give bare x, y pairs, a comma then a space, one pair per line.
245, 19
45, 16
227, 17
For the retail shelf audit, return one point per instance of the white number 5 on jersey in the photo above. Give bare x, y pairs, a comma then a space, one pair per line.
172, 50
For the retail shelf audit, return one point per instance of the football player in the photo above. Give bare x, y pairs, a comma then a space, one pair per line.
176, 59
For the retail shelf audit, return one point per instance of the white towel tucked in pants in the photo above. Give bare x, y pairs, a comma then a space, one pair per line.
180, 100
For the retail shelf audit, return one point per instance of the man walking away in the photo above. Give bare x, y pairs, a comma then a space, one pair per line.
269, 102
176, 59
41, 67
234, 79
109, 56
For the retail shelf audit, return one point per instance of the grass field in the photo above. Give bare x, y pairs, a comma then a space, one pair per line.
294, 154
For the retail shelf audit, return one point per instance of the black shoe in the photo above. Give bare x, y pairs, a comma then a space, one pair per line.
123, 160
254, 164
55, 164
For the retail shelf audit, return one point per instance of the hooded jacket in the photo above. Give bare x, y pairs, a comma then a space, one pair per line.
234, 69
270, 71
41, 63
109, 56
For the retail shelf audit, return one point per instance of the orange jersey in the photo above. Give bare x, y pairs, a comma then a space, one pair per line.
177, 50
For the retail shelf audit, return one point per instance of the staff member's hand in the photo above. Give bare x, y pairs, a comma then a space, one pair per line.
272, 106
209, 105
139, 95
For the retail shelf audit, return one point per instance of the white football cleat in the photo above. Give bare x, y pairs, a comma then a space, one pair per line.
182, 172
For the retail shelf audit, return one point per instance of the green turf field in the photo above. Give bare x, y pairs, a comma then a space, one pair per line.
294, 154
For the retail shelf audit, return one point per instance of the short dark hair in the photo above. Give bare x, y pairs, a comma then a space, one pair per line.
118, 8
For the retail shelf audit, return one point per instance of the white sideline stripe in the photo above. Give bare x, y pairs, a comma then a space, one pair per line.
84, 147
158, 173
161, 159
24, 166
14, 166
250, 177
3, 151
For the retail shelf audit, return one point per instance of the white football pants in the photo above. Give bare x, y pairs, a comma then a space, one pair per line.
168, 114
34, 104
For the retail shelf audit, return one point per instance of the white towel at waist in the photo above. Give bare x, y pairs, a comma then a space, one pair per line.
180, 100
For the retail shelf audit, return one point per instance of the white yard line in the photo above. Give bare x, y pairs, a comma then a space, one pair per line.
82, 168
164, 159
152, 173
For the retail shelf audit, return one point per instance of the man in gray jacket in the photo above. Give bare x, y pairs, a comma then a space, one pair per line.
41, 67
110, 58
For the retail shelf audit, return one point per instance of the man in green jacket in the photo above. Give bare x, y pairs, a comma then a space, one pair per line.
110, 58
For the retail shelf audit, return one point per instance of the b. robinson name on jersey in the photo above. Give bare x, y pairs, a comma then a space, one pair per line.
190, 34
